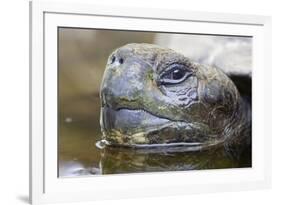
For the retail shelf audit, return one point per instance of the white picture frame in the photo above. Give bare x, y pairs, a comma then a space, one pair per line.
46, 187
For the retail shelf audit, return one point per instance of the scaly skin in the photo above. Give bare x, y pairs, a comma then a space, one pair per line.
153, 95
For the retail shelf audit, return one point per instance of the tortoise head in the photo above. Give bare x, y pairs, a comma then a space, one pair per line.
154, 95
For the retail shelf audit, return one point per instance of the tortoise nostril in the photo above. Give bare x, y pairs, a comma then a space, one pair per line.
114, 58
121, 60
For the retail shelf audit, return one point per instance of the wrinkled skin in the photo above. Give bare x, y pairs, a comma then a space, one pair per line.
155, 96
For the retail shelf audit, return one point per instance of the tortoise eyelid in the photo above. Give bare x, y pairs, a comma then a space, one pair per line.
173, 82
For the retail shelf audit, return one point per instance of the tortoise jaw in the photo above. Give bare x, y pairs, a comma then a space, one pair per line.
138, 128
129, 121
125, 126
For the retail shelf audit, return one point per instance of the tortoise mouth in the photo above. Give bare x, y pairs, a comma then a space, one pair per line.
130, 121
137, 128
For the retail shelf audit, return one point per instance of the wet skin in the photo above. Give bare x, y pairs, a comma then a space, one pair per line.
155, 96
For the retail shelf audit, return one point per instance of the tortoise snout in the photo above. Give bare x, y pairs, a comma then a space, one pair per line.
124, 82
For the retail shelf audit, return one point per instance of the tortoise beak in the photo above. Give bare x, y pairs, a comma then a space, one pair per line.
129, 121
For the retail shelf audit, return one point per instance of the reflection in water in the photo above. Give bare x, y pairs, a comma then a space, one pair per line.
116, 160
126, 160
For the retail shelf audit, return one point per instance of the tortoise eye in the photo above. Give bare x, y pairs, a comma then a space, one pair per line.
174, 75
